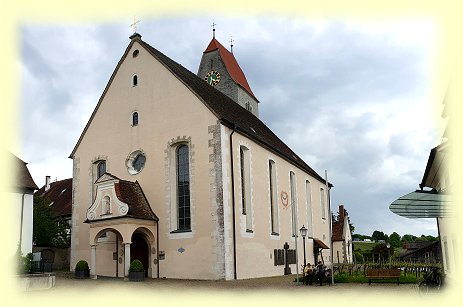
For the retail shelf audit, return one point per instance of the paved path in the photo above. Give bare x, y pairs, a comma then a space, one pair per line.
65, 282
271, 291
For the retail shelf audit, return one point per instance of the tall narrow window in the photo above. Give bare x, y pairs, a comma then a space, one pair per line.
135, 119
101, 168
243, 182
308, 194
183, 188
273, 197
292, 182
135, 80
246, 186
322, 203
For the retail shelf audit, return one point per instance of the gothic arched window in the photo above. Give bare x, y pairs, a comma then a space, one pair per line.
183, 187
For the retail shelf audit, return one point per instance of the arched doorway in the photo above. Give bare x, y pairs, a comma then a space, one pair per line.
139, 249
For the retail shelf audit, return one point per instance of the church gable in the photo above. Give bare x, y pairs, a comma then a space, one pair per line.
107, 203
119, 198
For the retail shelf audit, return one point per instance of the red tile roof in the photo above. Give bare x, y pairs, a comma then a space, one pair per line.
231, 64
338, 228
59, 195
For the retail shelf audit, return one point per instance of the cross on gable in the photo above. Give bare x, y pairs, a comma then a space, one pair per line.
213, 28
134, 24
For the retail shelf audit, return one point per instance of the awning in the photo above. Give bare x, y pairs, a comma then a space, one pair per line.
422, 204
320, 243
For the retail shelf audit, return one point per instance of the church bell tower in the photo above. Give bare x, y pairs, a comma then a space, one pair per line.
220, 69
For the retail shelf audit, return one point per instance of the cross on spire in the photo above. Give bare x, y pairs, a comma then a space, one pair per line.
213, 28
231, 44
134, 24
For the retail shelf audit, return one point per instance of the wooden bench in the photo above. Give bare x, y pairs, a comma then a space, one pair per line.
383, 274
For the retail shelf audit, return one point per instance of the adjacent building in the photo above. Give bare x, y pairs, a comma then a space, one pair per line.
342, 238
22, 197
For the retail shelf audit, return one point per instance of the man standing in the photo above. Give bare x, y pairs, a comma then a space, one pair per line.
320, 271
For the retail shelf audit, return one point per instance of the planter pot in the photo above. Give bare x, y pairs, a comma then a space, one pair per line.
82, 274
136, 276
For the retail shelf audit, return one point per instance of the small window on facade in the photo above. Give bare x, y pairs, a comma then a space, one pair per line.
135, 53
135, 162
134, 80
135, 119
101, 168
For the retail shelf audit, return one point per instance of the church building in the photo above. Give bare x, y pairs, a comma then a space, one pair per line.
176, 169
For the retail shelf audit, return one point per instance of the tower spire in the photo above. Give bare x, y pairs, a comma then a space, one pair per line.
213, 28
231, 44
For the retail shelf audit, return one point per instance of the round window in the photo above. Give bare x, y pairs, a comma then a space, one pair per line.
135, 162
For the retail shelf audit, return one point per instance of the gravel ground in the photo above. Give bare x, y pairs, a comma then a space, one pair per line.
65, 282
270, 291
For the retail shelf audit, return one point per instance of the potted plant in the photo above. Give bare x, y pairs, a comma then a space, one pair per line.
136, 271
82, 271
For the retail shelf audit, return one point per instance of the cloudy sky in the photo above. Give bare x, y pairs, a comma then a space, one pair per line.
349, 97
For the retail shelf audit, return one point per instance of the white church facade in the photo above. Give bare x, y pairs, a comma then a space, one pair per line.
176, 169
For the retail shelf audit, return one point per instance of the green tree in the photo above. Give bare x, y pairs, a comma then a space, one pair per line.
48, 230
378, 235
395, 239
408, 238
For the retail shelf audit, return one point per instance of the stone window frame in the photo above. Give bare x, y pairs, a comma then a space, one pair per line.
273, 198
131, 158
309, 207
171, 187
94, 172
246, 188
322, 203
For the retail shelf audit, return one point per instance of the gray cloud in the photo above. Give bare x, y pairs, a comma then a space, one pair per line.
333, 91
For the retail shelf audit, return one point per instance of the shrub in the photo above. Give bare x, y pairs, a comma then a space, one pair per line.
82, 265
24, 263
136, 266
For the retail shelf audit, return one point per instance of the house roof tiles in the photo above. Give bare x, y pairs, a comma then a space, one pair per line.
59, 195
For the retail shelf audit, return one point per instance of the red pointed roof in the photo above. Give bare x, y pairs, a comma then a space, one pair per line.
231, 64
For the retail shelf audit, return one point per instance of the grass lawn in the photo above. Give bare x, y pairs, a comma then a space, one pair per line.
346, 278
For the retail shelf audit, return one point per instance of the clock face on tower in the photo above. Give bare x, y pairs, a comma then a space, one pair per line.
212, 77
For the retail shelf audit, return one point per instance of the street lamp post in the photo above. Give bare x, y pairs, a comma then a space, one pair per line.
303, 231
388, 254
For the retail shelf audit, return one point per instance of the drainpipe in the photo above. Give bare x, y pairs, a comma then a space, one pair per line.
157, 244
21, 225
117, 255
440, 247
330, 224
233, 200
